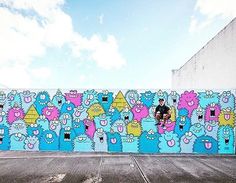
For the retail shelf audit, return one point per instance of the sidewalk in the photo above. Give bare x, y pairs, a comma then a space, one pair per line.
103, 167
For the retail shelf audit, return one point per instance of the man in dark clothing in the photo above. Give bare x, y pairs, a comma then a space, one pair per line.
162, 112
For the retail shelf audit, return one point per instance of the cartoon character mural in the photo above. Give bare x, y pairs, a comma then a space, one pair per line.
117, 121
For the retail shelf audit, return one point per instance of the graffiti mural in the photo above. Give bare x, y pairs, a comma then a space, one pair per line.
117, 121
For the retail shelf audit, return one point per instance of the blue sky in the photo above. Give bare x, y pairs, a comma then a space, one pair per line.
102, 43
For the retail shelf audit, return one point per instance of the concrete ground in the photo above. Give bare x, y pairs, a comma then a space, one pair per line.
112, 168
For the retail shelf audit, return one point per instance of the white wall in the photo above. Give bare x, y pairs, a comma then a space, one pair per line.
213, 67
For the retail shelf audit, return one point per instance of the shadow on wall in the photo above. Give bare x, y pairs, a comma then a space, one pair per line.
117, 121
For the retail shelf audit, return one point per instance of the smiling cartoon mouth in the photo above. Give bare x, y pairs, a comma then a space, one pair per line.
174, 100
208, 145
1, 106
101, 139
200, 117
171, 142
227, 141
113, 140
1, 139
126, 117
86, 127
181, 127
227, 116
67, 136
104, 99
191, 103
59, 102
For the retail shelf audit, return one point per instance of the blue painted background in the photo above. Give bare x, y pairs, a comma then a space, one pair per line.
117, 121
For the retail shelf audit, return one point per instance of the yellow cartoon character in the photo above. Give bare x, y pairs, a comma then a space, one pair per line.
227, 117
134, 128
95, 110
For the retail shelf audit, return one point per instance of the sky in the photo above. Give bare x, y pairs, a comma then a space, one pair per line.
103, 44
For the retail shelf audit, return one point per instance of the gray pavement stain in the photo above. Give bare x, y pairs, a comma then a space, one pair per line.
86, 168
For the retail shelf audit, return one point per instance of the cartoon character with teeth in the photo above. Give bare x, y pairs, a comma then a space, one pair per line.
41, 101
105, 99
4, 138
79, 127
197, 129
148, 142
186, 142
130, 143
34, 130
89, 127
43, 122
134, 128
140, 111
58, 99
227, 117
17, 141
126, 115
183, 123
205, 145
65, 120
83, 143
95, 110
74, 97
66, 138
189, 101
4, 106
80, 113
198, 116
114, 141
211, 128
225, 138
147, 98
120, 127
14, 114
114, 114
208, 97
89, 98
51, 112
55, 126
68, 107
100, 140
212, 112
173, 99
49, 141
132, 97
227, 99
14, 98
149, 122
18, 126
28, 99
31, 143
169, 143
103, 121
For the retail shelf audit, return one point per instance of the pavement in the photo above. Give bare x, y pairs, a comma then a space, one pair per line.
26, 167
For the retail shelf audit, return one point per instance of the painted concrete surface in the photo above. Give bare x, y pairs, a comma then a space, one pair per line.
103, 167
213, 66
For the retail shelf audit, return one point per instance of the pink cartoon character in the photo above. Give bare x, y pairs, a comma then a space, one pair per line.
212, 112
74, 97
89, 127
51, 112
189, 101
14, 114
169, 126
140, 111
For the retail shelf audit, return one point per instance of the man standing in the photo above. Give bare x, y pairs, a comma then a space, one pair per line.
162, 112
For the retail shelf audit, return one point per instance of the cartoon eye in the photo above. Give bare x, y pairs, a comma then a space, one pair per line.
228, 109
228, 93
91, 97
42, 97
207, 92
35, 125
49, 135
224, 93
19, 134
31, 125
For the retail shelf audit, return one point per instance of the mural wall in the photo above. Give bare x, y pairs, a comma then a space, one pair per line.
117, 121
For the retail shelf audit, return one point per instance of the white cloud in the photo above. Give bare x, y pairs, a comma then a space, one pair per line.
42, 73
101, 17
210, 10
28, 28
